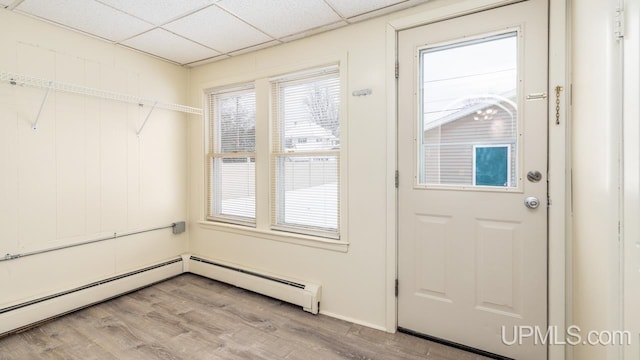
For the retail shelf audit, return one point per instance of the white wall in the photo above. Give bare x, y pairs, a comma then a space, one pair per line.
84, 174
597, 114
353, 282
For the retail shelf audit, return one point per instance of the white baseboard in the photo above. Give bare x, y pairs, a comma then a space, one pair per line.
355, 321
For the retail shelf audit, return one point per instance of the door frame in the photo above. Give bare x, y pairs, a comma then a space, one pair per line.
559, 186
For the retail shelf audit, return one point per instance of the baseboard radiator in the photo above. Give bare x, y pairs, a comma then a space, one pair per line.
18, 317
24, 315
292, 291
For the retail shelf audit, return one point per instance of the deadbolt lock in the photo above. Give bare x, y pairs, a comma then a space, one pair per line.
534, 176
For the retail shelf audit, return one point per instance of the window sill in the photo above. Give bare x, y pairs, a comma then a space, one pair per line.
291, 238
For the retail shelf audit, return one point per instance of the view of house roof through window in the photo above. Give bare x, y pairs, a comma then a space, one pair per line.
469, 102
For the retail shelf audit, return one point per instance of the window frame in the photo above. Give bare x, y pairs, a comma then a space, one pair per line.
516, 184
212, 154
277, 151
261, 77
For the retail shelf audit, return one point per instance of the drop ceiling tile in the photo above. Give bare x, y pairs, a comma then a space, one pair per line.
217, 29
350, 8
169, 46
283, 17
157, 11
87, 16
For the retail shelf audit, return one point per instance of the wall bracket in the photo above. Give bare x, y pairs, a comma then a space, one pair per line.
44, 101
145, 119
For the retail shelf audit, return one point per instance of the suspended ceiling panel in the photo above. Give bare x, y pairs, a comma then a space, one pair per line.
158, 12
195, 32
217, 29
267, 15
87, 16
167, 45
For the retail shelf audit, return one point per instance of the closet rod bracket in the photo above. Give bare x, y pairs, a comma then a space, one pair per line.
44, 100
145, 119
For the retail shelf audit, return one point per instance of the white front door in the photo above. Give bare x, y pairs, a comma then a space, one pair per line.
472, 161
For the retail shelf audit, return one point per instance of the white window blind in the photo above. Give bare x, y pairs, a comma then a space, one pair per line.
232, 155
306, 153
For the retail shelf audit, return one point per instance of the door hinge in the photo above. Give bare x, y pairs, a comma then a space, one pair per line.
397, 178
620, 230
397, 70
396, 287
618, 24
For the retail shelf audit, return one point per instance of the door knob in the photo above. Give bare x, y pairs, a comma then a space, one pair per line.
532, 202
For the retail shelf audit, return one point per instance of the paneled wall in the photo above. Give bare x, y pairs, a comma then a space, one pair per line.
84, 174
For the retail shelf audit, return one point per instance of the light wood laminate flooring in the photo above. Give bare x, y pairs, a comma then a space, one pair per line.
190, 317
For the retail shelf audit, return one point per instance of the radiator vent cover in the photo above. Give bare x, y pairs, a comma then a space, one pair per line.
297, 292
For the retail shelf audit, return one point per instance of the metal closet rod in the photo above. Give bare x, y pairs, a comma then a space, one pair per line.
25, 80
114, 236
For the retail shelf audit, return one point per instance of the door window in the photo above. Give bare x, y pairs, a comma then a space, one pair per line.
468, 113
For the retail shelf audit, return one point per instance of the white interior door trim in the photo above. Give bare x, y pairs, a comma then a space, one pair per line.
631, 194
559, 156
560, 227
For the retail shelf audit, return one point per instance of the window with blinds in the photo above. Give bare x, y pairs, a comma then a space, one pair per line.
305, 157
232, 155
